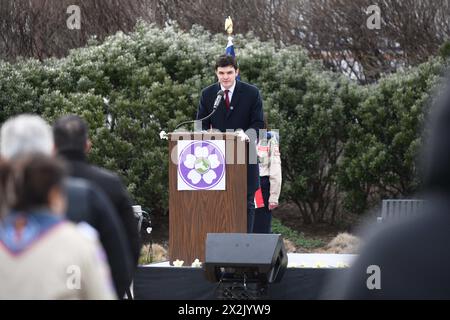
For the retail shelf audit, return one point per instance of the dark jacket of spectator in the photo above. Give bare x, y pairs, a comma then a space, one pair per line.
88, 203
113, 187
72, 143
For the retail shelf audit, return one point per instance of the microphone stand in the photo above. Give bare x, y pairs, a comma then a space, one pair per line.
192, 121
216, 104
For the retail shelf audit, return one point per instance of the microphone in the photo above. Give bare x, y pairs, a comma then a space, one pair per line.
220, 94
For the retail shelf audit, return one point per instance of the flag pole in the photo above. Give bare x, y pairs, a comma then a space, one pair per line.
230, 47
229, 31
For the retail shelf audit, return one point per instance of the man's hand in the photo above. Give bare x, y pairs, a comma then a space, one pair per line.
241, 134
272, 205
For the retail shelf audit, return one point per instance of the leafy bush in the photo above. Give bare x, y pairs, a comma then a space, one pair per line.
341, 143
380, 158
297, 238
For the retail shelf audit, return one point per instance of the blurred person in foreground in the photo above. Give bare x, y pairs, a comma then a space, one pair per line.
25, 134
42, 255
410, 259
72, 143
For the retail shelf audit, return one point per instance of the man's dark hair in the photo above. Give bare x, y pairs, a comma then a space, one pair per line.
225, 61
70, 133
34, 176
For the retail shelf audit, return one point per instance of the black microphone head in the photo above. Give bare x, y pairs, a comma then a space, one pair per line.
220, 93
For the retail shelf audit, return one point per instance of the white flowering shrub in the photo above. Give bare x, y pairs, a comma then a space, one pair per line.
338, 139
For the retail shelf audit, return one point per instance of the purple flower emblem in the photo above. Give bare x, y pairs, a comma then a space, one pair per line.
201, 165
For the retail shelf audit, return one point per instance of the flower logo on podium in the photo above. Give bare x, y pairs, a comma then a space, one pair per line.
201, 165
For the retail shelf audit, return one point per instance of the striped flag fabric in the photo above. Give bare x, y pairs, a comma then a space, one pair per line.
229, 50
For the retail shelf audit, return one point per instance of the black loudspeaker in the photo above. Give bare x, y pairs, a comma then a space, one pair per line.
256, 257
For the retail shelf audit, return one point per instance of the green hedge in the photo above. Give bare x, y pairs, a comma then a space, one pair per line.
342, 145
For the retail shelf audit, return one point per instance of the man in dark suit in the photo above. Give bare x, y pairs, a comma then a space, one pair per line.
240, 108
72, 143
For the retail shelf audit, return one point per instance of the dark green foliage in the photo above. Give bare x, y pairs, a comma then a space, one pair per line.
342, 145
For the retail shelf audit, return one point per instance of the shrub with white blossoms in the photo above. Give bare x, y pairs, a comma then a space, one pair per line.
339, 141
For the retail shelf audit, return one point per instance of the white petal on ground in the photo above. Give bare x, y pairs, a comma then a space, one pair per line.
201, 152
213, 161
209, 176
194, 176
190, 161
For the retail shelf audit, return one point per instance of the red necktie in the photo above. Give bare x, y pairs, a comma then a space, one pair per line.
227, 99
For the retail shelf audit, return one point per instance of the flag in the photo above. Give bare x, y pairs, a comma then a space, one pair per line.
259, 200
229, 50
